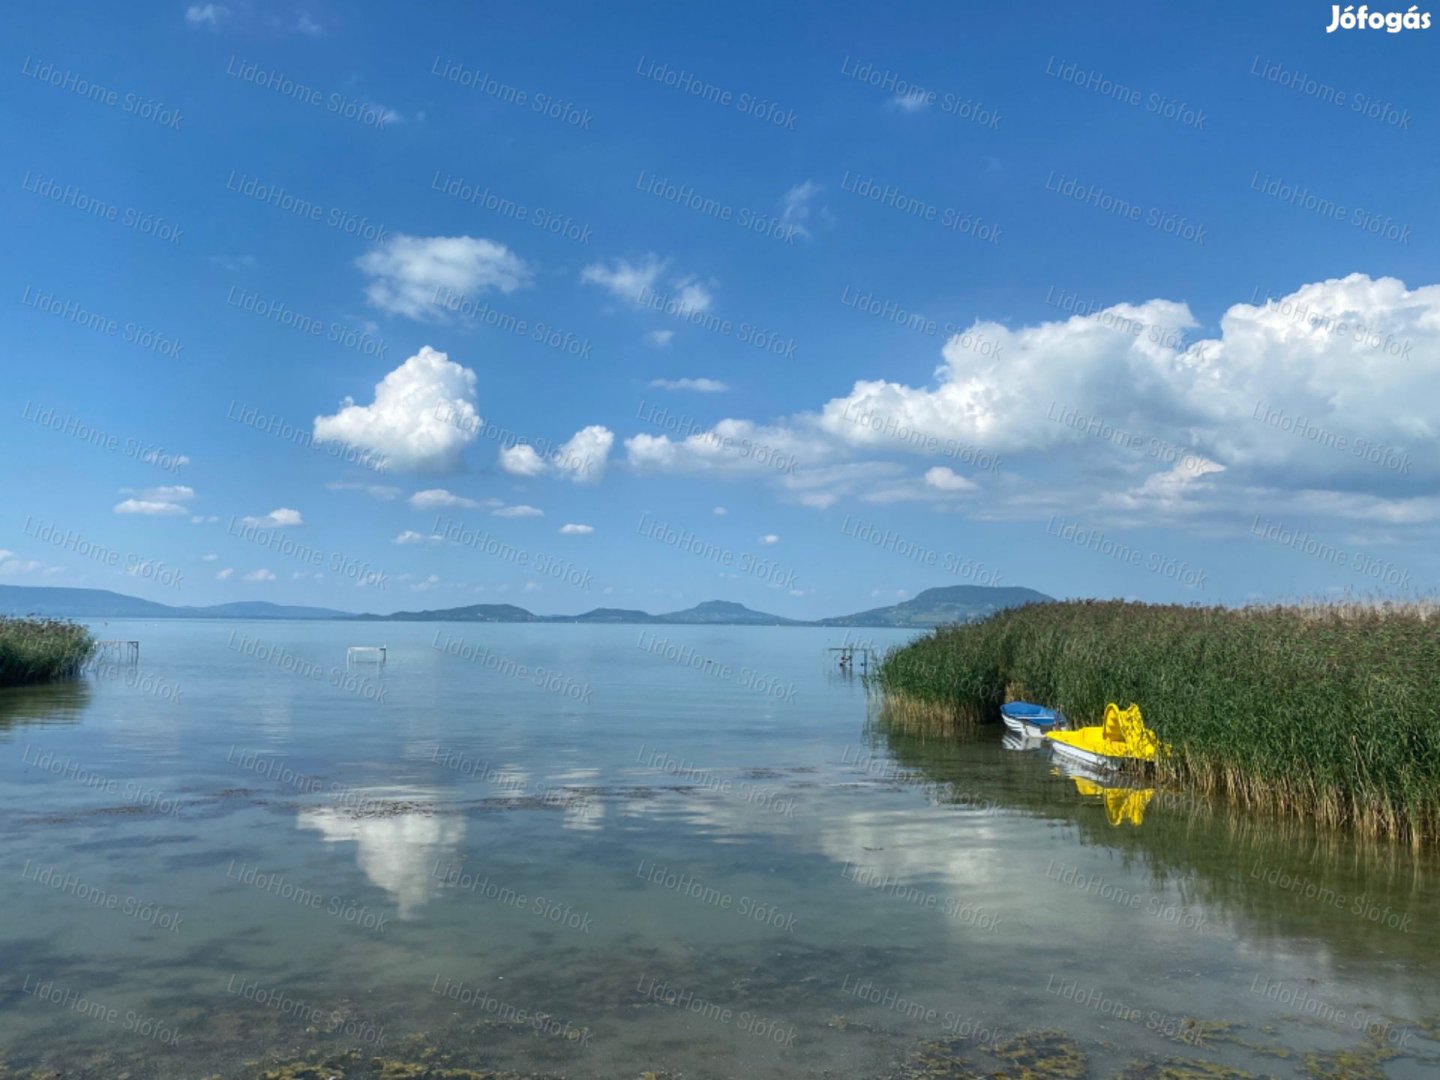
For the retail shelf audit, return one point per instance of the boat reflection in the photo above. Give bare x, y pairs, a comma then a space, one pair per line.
1124, 805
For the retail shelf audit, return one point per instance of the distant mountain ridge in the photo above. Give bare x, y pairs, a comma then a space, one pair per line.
947, 604
933, 607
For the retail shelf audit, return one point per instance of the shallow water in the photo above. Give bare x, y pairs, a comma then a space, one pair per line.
714, 863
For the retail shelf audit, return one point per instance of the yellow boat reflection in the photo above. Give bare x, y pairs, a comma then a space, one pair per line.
1123, 806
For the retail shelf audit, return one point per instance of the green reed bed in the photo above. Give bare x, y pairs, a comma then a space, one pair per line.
1332, 712
37, 650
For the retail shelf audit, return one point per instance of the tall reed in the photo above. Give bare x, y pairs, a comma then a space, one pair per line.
1328, 712
36, 650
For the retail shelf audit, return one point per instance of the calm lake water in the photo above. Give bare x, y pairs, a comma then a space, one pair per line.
610, 851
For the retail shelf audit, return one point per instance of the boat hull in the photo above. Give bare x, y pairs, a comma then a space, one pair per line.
1024, 728
1105, 762
1030, 721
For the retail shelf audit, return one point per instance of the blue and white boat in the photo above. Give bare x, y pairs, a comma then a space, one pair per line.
1031, 721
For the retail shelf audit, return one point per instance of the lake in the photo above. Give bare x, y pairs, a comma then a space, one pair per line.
616, 851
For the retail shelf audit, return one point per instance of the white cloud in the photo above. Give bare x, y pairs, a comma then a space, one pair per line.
1286, 396
281, 518
797, 208
625, 279
149, 507
235, 263
582, 459
204, 519
629, 281
577, 530
435, 497
10, 563
385, 492
943, 478
164, 501
703, 386
692, 297
521, 460
769, 538
308, 26
410, 536
407, 272
151, 457
911, 101
208, 558
422, 418
206, 14
518, 512
731, 446
660, 338
260, 576
226, 574
720, 511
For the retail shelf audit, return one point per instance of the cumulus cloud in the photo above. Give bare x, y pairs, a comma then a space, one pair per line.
260, 576
720, 511
660, 338
409, 273
703, 386
226, 574
281, 518
522, 460
421, 420
410, 536
518, 512
432, 498
576, 530
1335, 387
769, 538
581, 460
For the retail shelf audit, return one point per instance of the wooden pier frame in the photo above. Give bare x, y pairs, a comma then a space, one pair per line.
365, 654
118, 650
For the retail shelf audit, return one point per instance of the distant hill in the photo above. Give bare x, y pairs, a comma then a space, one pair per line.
933, 607
949, 604
102, 604
608, 615
470, 613
725, 613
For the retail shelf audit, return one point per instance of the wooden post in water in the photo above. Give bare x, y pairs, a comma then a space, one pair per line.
848, 654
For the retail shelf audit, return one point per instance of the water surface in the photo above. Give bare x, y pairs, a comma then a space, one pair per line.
606, 850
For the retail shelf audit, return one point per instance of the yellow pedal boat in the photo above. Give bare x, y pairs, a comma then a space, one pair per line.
1122, 737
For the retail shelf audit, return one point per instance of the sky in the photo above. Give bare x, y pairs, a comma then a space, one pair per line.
808, 307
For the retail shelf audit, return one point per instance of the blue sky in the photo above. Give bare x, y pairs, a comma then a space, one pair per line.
809, 309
